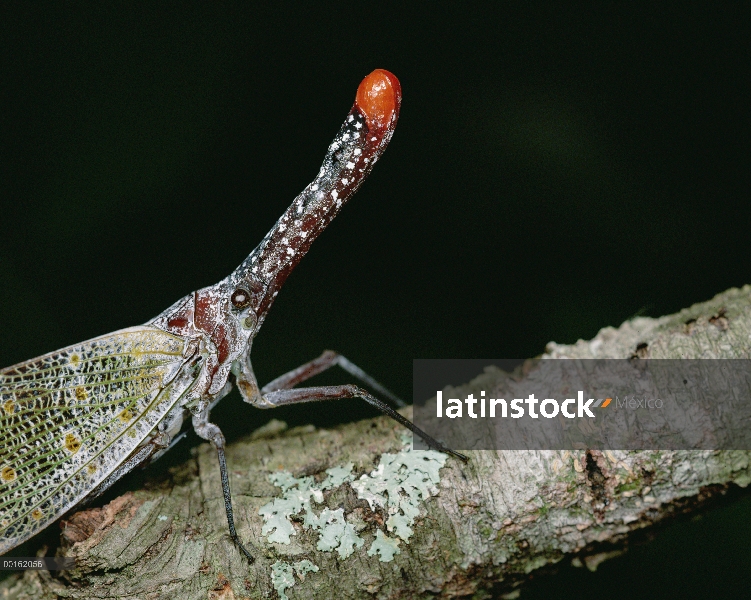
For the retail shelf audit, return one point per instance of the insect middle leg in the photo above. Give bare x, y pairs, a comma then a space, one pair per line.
212, 433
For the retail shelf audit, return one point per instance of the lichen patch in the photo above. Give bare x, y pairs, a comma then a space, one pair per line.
384, 546
283, 575
399, 486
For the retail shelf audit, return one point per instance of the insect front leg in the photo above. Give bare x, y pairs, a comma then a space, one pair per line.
212, 433
279, 393
251, 393
328, 359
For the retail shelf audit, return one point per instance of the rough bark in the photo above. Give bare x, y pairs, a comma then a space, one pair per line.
492, 522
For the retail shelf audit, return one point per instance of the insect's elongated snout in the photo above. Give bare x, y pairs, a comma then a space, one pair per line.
379, 97
361, 140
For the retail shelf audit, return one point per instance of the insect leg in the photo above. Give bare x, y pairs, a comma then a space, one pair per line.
212, 433
328, 359
166, 449
140, 457
335, 392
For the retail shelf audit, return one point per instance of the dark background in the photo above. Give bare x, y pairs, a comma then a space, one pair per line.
555, 170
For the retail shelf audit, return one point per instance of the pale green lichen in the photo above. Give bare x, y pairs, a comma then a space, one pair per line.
296, 497
302, 567
384, 546
335, 532
337, 476
399, 485
283, 578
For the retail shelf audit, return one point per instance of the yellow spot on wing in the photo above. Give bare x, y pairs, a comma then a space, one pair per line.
8, 473
9, 407
81, 393
72, 443
126, 415
36, 514
75, 359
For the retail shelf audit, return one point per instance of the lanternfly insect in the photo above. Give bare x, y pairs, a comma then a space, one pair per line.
74, 421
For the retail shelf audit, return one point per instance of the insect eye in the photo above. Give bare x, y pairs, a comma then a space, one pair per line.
240, 298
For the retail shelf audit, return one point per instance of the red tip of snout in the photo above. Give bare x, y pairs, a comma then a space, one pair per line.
378, 98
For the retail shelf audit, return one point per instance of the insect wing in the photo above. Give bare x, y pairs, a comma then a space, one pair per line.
68, 418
